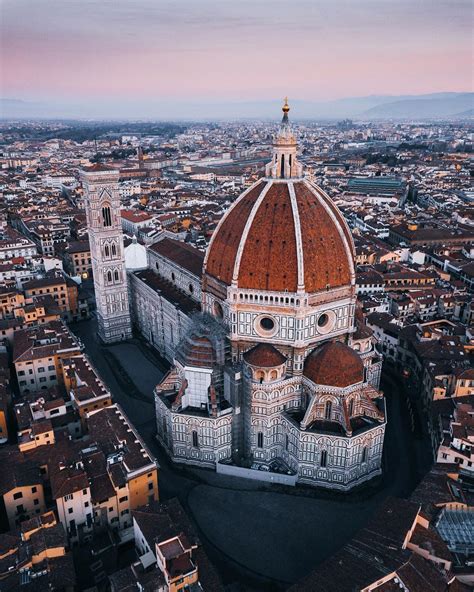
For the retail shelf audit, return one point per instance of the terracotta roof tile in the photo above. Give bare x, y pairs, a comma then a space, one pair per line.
264, 355
226, 240
334, 364
269, 259
325, 255
197, 351
99, 168
180, 253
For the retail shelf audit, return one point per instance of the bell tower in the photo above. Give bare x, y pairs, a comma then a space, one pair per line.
106, 243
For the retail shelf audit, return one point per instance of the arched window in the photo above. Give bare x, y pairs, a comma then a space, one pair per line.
260, 440
282, 166
116, 275
351, 407
109, 277
364, 454
195, 439
328, 410
324, 458
106, 250
106, 216
260, 376
114, 250
273, 375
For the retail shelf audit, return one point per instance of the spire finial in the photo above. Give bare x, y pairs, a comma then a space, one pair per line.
285, 107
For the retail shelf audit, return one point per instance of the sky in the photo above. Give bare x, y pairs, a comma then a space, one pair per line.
125, 51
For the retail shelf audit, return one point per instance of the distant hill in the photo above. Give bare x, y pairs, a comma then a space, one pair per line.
433, 107
17, 109
428, 106
465, 114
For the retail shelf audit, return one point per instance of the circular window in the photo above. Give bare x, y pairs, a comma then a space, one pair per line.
323, 320
326, 322
218, 311
267, 324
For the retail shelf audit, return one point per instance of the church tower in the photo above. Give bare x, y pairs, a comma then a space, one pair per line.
106, 243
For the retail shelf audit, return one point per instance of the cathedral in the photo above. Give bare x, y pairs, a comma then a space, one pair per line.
273, 370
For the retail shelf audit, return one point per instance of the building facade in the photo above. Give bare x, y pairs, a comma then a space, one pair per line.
107, 252
167, 294
77, 259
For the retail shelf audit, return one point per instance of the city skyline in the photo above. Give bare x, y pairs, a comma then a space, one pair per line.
87, 54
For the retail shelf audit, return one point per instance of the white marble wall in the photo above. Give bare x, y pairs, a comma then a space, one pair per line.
183, 279
158, 320
175, 432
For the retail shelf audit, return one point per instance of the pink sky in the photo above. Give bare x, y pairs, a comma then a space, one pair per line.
233, 50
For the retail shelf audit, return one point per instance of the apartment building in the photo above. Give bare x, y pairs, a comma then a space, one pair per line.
5, 397
97, 481
21, 488
77, 258
37, 354
35, 557
86, 390
64, 291
13, 244
457, 445
170, 553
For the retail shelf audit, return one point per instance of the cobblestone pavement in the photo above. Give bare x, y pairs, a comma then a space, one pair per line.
258, 534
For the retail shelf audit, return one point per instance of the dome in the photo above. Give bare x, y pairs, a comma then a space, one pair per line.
334, 364
264, 355
135, 256
196, 351
282, 235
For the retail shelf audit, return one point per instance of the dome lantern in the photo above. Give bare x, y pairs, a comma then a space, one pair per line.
284, 163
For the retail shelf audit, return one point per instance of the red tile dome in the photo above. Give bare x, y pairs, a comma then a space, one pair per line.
282, 235
196, 351
264, 355
334, 364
